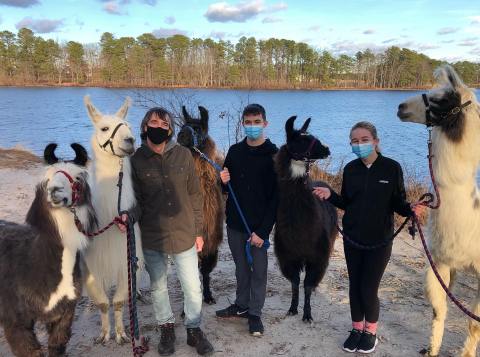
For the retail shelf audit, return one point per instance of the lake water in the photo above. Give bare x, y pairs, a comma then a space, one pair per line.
33, 117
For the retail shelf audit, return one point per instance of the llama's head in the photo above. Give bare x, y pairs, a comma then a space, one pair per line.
194, 132
112, 132
66, 182
302, 147
444, 106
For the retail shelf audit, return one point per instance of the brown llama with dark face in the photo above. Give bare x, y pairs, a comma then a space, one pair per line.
194, 132
39, 261
306, 226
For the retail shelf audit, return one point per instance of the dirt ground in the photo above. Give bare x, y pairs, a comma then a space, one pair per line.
404, 326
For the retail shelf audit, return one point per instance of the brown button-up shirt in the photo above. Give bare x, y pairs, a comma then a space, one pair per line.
169, 208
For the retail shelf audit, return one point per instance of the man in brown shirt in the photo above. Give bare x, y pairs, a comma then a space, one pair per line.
169, 212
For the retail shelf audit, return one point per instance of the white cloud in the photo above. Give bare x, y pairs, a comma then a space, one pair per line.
315, 28
271, 20
448, 41
168, 32
468, 42
40, 25
19, 3
241, 12
475, 20
218, 35
170, 20
369, 32
389, 40
426, 46
447, 30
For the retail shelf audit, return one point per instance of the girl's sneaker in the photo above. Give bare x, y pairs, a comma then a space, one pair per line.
367, 343
350, 345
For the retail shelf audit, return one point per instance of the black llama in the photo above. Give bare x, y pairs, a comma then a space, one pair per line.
306, 226
39, 261
194, 132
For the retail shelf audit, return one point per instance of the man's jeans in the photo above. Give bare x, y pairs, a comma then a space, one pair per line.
186, 265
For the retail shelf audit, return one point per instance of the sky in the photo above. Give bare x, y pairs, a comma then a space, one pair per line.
442, 29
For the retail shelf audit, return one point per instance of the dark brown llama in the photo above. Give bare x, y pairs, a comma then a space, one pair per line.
39, 261
194, 132
306, 226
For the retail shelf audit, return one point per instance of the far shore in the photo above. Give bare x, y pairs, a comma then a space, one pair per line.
72, 85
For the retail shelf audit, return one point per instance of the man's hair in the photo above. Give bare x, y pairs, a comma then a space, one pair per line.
254, 109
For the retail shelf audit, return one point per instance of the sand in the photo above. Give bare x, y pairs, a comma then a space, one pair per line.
404, 327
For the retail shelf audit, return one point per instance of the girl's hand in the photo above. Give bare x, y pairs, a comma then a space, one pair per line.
323, 193
225, 176
418, 209
256, 241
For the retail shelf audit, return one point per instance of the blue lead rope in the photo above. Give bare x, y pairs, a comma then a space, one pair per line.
248, 246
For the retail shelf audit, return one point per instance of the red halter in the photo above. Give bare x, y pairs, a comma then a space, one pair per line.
75, 185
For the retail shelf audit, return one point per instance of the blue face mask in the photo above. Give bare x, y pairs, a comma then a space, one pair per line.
253, 132
362, 150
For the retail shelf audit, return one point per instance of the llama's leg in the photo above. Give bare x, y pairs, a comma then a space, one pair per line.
437, 298
470, 346
22, 340
97, 293
59, 332
121, 295
207, 263
291, 270
313, 274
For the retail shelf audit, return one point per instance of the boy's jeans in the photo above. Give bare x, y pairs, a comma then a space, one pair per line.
186, 264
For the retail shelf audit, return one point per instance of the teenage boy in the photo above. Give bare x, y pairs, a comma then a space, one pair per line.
249, 169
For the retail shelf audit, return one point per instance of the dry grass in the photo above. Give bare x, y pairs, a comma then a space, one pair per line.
414, 185
17, 158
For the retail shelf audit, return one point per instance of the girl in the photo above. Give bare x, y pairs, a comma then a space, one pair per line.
372, 190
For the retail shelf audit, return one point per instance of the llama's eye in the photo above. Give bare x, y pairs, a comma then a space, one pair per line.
105, 128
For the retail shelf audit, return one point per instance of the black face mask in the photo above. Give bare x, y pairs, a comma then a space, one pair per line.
157, 135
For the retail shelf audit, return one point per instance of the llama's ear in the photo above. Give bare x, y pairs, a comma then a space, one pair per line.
93, 112
305, 125
203, 117
122, 112
49, 154
81, 155
446, 75
186, 116
289, 126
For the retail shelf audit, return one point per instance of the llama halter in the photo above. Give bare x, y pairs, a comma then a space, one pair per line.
75, 185
451, 114
110, 140
196, 137
305, 157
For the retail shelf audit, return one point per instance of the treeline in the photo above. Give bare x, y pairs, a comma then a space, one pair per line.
147, 61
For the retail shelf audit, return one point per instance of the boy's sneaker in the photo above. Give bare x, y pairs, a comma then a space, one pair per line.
351, 344
232, 311
367, 343
255, 326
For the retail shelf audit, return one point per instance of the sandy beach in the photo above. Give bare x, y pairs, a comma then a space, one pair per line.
404, 326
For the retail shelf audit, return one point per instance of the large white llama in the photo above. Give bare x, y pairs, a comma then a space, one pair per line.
454, 227
106, 258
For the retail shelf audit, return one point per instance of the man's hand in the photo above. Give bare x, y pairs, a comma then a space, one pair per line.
199, 244
323, 193
256, 241
225, 176
122, 226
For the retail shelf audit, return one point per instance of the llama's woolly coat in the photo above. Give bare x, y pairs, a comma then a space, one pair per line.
213, 208
305, 224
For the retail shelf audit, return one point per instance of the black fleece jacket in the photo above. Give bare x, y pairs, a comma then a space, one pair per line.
369, 197
254, 182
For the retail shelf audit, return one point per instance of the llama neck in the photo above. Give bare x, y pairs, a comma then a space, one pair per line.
73, 241
455, 164
106, 168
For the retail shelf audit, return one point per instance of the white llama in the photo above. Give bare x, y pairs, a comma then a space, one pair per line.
455, 227
106, 258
